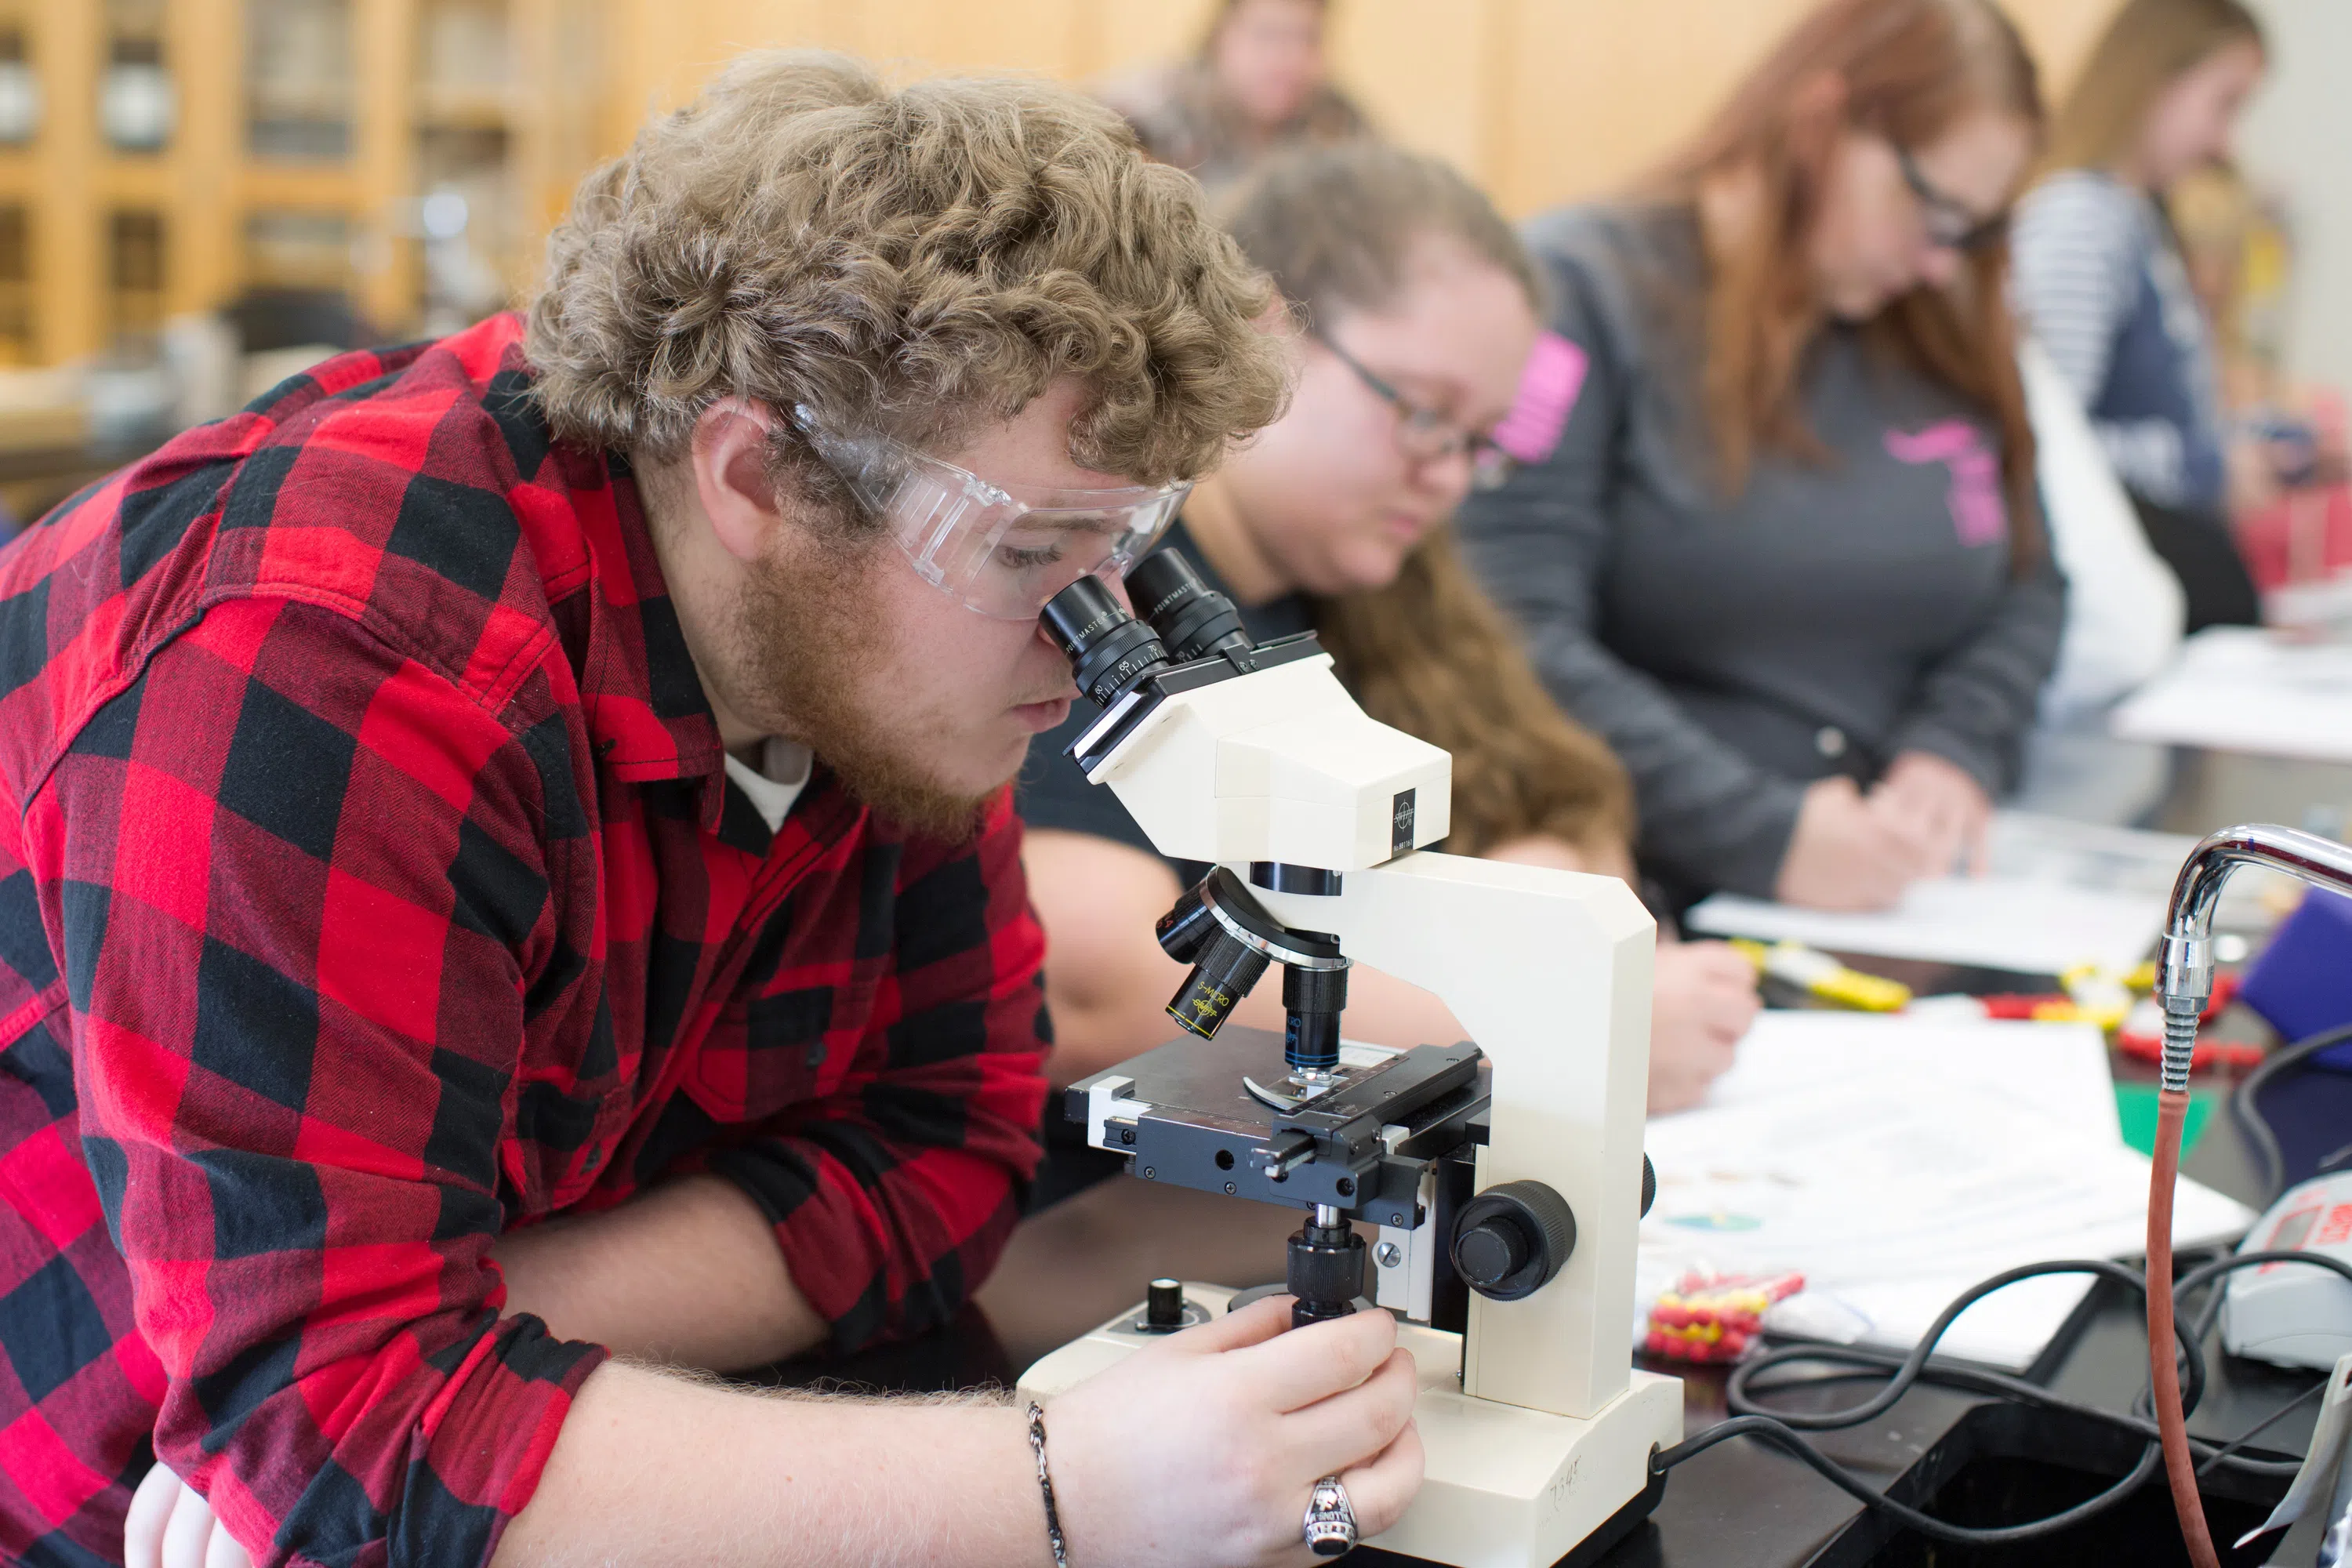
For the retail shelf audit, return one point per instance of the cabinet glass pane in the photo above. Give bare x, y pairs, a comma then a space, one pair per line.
298, 79
135, 263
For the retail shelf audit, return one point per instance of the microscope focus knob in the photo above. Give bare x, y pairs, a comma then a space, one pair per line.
1163, 1305
1649, 1185
1511, 1239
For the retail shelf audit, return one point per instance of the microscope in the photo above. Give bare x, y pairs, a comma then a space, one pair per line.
1501, 1179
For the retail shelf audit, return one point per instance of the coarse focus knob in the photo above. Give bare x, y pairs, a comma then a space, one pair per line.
1649, 1185
1510, 1240
1163, 1304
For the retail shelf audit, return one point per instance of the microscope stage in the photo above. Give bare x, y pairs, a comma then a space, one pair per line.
1184, 1113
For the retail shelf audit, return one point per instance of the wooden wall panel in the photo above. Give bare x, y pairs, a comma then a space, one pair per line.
1423, 72
1545, 100
1594, 92
1136, 32
69, 252
206, 44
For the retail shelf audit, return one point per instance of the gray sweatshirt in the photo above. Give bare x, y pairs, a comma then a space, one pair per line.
1825, 619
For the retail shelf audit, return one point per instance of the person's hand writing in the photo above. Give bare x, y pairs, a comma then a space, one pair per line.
1702, 1002
1245, 1415
1844, 856
1939, 804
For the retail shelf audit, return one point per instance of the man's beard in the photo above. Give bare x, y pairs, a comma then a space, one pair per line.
810, 646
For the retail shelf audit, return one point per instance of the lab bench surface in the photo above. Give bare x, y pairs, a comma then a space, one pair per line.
1738, 1505
1088, 1259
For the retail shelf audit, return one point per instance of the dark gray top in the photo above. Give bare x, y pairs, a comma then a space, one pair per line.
1828, 618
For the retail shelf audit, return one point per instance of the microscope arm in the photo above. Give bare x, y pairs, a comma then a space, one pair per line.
1550, 973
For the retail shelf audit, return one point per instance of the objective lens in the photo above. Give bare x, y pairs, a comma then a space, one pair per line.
1108, 649
1185, 929
1312, 1001
1217, 983
1193, 619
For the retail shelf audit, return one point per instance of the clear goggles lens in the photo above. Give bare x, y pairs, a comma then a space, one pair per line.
1001, 550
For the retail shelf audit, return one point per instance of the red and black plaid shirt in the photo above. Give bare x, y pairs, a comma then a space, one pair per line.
371, 884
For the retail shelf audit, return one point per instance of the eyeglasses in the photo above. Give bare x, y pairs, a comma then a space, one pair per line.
1951, 224
1425, 435
1001, 550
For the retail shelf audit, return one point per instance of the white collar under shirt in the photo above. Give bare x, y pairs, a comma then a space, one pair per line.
776, 783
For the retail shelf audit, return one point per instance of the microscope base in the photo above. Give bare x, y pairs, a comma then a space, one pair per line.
1504, 1486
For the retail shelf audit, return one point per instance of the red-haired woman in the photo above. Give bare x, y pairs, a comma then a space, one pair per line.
1786, 558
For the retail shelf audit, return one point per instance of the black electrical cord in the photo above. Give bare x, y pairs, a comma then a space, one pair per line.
2229, 1448
1785, 1430
2249, 1116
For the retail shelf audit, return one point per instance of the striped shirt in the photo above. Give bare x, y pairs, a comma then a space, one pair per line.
2100, 279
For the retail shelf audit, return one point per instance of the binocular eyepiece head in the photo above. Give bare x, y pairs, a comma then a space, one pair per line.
1111, 651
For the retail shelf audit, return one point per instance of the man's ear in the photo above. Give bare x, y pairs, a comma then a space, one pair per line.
730, 460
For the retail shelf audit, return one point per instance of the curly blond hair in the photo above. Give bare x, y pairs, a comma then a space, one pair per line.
911, 262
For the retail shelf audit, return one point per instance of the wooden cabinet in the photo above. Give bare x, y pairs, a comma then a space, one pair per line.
304, 144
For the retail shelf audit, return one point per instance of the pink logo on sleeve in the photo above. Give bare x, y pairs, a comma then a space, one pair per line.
1979, 514
1547, 389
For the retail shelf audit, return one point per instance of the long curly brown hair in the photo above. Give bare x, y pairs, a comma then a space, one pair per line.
1430, 654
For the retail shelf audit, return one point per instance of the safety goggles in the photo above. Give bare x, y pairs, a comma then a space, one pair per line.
1001, 550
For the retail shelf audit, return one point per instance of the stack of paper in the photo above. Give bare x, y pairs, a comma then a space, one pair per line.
1894, 1163
2055, 894
2022, 923
2240, 689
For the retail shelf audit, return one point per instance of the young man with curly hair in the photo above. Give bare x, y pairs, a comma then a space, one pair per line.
509, 870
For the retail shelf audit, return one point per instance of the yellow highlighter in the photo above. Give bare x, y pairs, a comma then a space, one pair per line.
1819, 974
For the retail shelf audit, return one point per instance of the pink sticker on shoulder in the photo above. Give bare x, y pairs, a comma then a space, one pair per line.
1548, 390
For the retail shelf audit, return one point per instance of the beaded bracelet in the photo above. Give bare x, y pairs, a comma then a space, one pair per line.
1045, 1485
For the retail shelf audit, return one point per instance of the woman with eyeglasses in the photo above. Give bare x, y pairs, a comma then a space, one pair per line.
1411, 318
1786, 558
2101, 281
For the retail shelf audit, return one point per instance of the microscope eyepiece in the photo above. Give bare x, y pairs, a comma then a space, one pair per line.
1193, 619
1108, 649
1111, 650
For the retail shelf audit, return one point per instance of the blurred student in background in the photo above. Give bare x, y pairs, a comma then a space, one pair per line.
2101, 282
1412, 316
1259, 82
1787, 558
